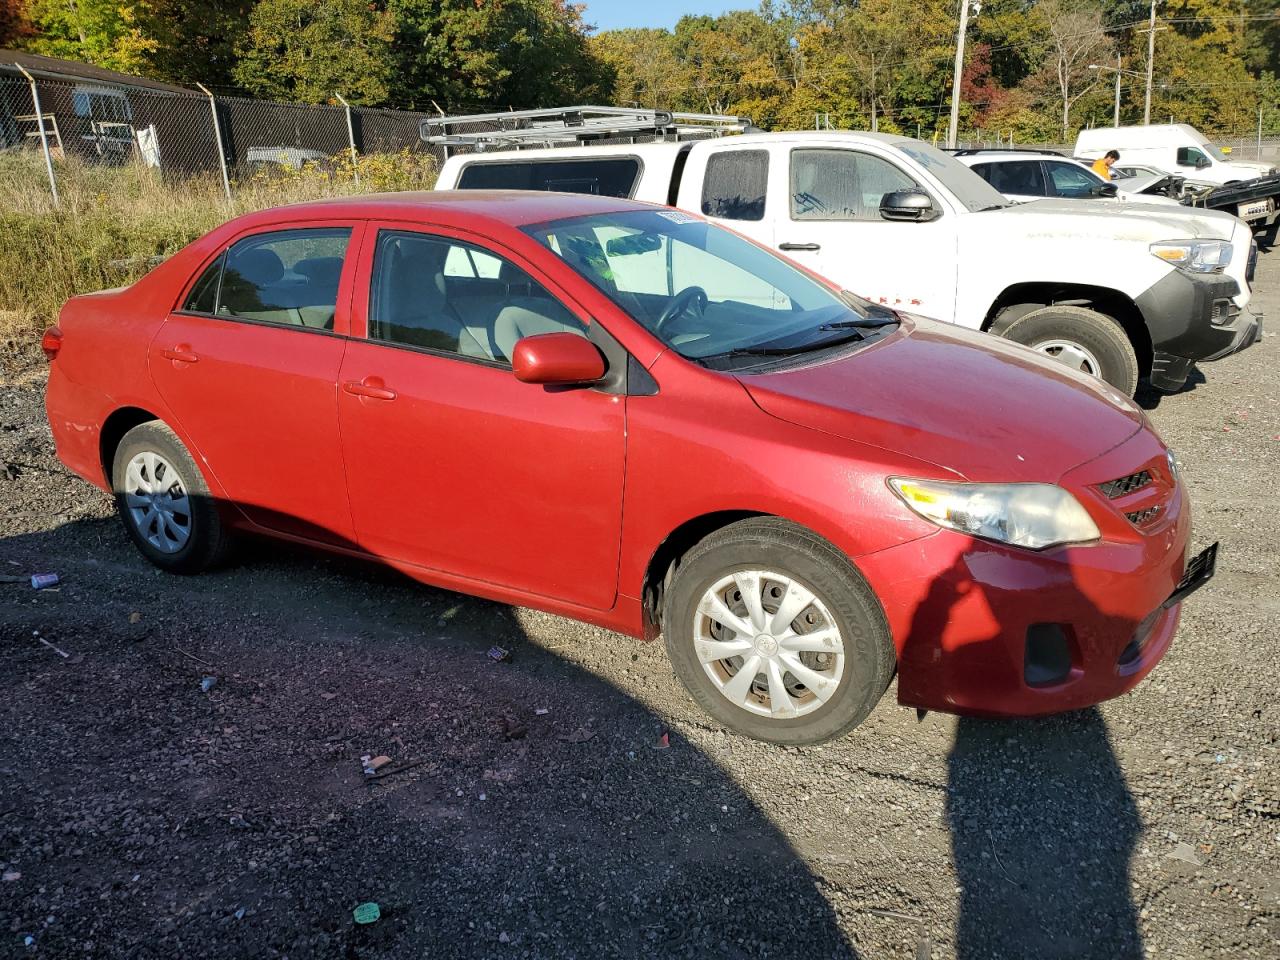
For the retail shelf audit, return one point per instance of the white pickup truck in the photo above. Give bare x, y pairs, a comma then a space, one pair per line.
1116, 290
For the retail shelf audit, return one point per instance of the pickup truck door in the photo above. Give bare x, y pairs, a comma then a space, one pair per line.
819, 204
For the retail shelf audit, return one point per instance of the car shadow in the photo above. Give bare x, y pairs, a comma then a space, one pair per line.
529, 808
1149, 398
1041, 820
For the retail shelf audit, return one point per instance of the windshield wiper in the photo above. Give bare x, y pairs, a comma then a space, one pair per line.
799, 348
868, 323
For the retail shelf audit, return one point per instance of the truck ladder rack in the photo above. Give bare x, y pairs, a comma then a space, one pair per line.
573, 125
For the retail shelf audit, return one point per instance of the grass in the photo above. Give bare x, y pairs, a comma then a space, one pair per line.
113, 222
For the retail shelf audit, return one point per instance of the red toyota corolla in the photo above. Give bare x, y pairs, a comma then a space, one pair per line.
623, 414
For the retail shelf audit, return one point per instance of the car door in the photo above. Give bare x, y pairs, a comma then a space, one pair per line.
832, 224
453, 464
248, 363
1020, 180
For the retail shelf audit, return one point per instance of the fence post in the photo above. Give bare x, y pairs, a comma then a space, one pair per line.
351, 139
217, 135
44, 139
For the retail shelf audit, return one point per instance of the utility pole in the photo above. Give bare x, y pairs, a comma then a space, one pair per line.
955, 79
1119, 63
1151, 62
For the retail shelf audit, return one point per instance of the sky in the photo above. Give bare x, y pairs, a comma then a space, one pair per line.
614, 14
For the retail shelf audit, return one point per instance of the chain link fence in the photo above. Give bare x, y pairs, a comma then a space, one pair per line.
183, 135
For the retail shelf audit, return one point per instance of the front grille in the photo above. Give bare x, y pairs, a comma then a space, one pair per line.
1140, 518
1114, 489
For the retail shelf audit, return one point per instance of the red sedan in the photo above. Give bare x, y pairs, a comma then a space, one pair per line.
623, 414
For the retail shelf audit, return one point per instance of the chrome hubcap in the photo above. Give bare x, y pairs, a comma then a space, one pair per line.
157, 502
768, 644
1072, 355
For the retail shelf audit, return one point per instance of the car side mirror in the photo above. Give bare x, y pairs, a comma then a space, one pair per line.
1186, 158
557, 359
913, 205
1104, 190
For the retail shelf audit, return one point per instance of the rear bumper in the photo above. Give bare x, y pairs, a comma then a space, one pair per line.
987, 630
1193, 318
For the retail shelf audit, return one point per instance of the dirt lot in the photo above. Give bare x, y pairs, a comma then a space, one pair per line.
143, 817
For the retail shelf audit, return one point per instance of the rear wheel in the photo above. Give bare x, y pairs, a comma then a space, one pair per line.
774, 633
164, 503
1081, 339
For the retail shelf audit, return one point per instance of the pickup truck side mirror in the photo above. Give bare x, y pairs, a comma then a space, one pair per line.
914, 205
1104, 190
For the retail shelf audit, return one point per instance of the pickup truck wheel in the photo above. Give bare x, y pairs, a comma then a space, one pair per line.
1084, 340
164, 503
774, 633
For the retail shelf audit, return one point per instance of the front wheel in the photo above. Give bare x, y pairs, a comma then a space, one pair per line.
775, 634
1081, 339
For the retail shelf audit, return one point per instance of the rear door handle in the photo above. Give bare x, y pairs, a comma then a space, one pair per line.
370, 387
182, 353
799, 246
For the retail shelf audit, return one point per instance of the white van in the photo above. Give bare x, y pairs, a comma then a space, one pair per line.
1171, 147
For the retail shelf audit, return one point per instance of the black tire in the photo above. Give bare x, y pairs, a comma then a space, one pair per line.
772, 544
1095, 332
208, 541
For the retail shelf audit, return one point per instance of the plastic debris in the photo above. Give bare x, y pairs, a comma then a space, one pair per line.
372, 765
367, 913
11, 875
28, 941
208, 683
541, 712
135, 617
41, 580
1186, 853
239, 914
499, 655
664, 742
581, 735
58, 650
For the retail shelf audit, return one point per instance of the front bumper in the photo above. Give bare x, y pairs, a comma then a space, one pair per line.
1194, 318
988, 630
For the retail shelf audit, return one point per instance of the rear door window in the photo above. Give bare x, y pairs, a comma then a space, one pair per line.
606, 177
1017, 177
1068, 180
733, 187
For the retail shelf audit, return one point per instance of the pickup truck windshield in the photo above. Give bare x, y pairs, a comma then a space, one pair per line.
704, 291
969, 188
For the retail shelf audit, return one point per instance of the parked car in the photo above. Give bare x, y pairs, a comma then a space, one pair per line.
627, 415
1033, 174
1024, 175
1116, 290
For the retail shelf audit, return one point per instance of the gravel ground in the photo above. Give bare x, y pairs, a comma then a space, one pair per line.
143, 817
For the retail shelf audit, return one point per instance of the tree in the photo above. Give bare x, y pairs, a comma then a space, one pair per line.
644, 64
15, 28
308, 50
1076, 38
102, 32
195, 40
520, 53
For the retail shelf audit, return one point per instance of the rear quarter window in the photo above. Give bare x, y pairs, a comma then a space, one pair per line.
733, 187
606, 177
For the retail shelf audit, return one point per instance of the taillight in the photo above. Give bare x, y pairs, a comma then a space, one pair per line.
51, 343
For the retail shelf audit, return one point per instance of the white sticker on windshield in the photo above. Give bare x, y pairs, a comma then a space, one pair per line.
676, 216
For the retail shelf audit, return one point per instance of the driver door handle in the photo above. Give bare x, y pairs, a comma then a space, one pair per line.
799, 246
181, 353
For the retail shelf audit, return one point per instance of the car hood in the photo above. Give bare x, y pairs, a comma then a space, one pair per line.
1248, 170
974, 405
1107, 220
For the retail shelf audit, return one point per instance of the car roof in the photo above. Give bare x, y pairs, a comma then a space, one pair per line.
989, 156
514, 208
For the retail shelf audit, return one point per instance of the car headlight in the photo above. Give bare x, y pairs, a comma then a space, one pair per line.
1194, 256
1031, 515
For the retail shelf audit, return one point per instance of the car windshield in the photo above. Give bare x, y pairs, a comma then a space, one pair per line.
706, 292
1211, 149
969, 188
